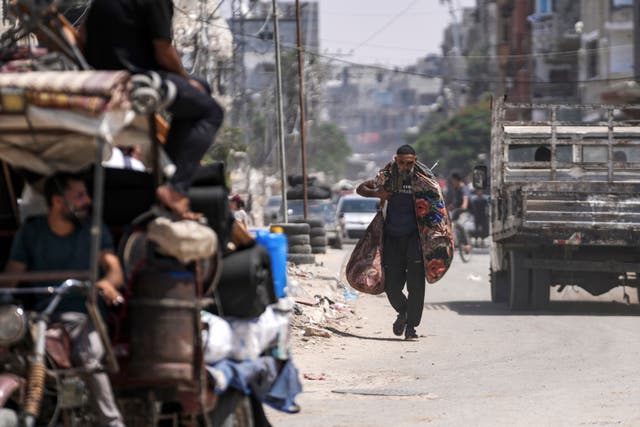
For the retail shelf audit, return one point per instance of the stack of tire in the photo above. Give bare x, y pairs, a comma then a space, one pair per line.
317, 235
299, 242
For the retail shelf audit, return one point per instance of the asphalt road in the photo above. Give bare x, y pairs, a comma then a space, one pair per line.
475, 364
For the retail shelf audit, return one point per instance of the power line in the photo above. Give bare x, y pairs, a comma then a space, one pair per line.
385, 26
359, 14
415, 73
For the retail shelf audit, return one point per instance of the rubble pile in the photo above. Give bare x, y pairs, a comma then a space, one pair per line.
322, 300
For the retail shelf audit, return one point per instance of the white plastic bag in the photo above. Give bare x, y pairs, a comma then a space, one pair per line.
216, 339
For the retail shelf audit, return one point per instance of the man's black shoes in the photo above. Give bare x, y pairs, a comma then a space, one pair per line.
399, 324
410, 333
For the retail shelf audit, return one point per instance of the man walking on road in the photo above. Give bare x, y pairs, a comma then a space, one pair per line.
417, 238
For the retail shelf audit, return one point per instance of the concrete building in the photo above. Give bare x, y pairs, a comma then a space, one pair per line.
555, 45
253, 35
480, 41
376, 108
204, 41
515, 68
606, 55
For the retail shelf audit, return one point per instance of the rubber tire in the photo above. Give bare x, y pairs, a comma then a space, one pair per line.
299, 239
313, 222
317, 231
292, 228
301, 258
300, 249
318, 249
519, 283
499, 281
337, 242
319, 241
540, 288
242, 415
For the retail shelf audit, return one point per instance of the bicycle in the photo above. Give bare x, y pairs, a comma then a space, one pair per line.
461, 234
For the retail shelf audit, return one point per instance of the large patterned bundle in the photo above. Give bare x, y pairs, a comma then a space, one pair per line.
91, 92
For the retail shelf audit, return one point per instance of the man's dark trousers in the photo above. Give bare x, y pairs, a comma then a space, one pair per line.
196, 117
403, 264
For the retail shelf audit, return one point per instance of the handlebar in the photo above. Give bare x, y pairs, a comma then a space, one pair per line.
59, 291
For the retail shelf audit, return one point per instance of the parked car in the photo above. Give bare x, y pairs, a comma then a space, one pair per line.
271, 209
322, 209
355, 213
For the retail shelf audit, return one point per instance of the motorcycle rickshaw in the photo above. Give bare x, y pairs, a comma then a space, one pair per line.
68, 120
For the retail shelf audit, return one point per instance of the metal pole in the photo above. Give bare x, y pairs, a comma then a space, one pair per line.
636, 39
280, 112
302, 115
96, 235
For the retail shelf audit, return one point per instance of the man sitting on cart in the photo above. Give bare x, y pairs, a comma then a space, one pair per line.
61, 241
136, 35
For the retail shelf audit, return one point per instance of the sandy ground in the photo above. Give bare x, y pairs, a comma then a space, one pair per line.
476, 364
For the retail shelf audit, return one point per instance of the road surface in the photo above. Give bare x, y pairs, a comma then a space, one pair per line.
476, 364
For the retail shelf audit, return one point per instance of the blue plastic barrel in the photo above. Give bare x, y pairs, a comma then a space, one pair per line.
276, 244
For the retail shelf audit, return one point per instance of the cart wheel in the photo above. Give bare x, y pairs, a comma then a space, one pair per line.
242, 415
232, 410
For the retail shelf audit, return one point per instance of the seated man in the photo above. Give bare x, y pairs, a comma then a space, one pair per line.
136, 35
61, 241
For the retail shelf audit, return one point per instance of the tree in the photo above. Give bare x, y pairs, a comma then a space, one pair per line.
228, 138
327, 149
455, 142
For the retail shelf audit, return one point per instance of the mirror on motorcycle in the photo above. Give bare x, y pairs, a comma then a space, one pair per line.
480, 177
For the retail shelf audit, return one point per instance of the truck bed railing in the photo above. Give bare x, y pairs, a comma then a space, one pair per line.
578, 151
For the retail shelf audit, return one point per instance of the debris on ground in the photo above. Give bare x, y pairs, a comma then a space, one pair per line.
321, 299
314, 377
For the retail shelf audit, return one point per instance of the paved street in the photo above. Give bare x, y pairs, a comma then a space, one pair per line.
476, 364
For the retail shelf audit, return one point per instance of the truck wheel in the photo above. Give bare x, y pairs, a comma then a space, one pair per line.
540, 287
520, 283
499, 281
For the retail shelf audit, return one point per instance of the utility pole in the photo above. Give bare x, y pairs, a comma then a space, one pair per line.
239, 75
280, 112
302, 115
457, 52
636, 39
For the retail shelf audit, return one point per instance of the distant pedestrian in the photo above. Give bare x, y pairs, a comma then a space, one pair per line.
417, 235
237, 207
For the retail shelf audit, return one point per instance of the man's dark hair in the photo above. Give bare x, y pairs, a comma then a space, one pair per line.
456, 175
406, 149
56, 184
542, 154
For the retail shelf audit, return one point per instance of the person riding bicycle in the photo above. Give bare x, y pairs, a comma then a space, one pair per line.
59, 241
457, 200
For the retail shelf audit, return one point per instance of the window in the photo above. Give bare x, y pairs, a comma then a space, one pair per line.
544, 6
617, 4
530, 153
621, 154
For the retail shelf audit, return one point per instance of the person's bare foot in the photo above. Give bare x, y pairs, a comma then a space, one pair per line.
176, 202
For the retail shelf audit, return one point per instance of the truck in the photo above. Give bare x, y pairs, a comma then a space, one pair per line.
565, 199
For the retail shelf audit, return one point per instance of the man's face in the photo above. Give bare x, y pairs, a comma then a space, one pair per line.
405, 162
77, 198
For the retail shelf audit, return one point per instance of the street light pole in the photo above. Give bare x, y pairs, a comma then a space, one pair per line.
280, 112
302, 113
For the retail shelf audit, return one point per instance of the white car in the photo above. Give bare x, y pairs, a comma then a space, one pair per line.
355, 213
